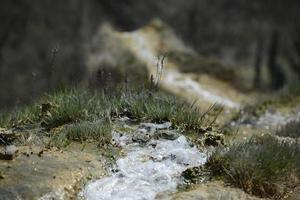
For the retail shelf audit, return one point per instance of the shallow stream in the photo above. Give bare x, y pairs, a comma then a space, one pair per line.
149, 169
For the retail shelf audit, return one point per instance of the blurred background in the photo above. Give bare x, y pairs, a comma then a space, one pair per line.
44, 44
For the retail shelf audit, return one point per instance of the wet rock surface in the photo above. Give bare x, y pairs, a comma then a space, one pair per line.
149, 131
48, 174
213, 139
195, 175
167, 134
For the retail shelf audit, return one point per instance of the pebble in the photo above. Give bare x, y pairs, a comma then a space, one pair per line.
9, 152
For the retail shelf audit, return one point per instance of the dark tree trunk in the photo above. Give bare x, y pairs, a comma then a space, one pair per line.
192, 23
293, 55
294, 62
276, 74
258, 62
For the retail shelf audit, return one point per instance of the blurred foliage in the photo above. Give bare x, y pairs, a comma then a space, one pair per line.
291, 129
44, 44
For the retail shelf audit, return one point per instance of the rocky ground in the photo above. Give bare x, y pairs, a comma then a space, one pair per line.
42, 173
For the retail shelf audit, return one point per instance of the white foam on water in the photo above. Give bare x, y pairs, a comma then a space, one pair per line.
146, 171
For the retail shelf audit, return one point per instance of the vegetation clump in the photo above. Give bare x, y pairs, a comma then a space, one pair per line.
291, 129
81, 115
98, 131
213, 139
195, 175
288, 97
261, 166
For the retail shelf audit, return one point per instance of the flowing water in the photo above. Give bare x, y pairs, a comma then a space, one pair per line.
152, 166
148, 170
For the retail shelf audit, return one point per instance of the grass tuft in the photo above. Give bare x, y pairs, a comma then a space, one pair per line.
158, 107
99, 131
262, 166
77, 110
291, 129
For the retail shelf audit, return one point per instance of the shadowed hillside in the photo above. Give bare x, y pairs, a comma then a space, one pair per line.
44, 44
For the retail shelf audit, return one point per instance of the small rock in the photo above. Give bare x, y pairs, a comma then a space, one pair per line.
124, 119
4, 156
213, 139
194, 175
167, 134
11, 149
45, 110
141, 138
152, 126
40, 153
6, 136
165, 125
9, 152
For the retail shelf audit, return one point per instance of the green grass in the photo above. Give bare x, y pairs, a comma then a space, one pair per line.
291, 129
99, 131
159, 107
288, 97
18, 116
73, 106
74, 110
262, 166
